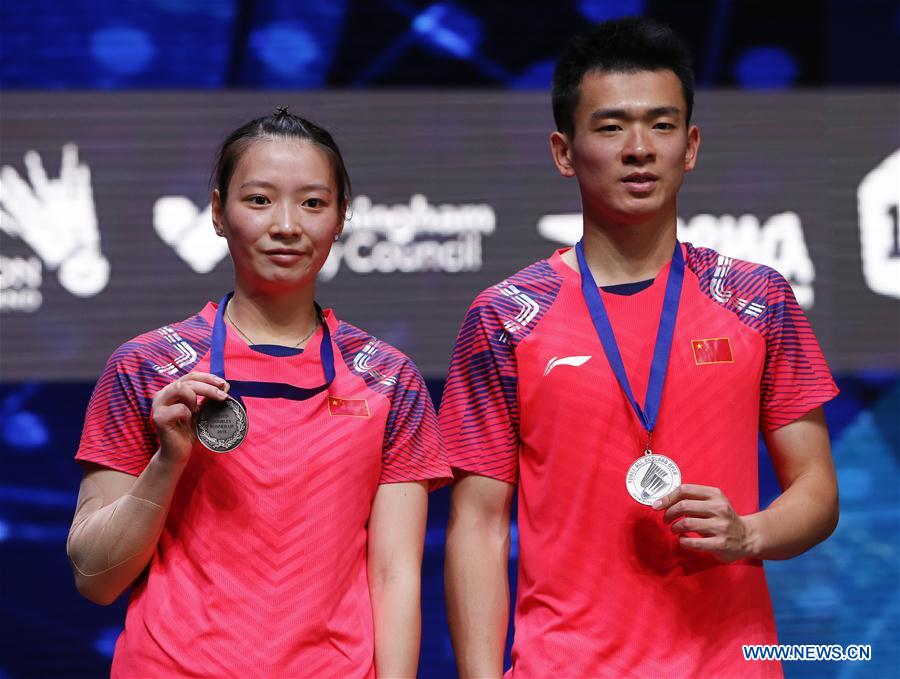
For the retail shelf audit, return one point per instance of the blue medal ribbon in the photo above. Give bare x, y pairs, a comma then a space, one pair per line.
251, 389
648, 414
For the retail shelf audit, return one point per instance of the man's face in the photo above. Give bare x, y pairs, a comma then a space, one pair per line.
631, 145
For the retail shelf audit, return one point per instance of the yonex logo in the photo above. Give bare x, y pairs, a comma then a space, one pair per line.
574, 361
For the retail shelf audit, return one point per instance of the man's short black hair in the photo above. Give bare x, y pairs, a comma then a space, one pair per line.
620, 46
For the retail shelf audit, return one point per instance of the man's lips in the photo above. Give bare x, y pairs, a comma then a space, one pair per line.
640, 181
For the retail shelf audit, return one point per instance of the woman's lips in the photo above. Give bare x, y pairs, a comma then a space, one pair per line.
284, 255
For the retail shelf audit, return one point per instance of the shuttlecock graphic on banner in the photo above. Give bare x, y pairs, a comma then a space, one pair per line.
189, 232
879, 226
56, 218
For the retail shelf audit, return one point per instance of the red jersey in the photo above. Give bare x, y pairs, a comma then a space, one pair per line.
604, 589
260, 570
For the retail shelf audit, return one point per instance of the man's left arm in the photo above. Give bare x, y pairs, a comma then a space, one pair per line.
803, 515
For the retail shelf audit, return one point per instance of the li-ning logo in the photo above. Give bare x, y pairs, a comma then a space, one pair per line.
573, 361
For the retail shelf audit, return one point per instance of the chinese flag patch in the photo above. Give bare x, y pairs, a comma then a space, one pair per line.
354, 407
717, 350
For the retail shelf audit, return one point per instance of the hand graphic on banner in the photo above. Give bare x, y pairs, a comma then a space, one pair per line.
189, 232
56, 218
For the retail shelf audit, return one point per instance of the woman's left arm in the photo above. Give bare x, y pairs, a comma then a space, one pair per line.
396, 541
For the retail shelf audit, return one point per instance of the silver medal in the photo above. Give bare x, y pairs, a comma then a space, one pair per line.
652, 476
221, 425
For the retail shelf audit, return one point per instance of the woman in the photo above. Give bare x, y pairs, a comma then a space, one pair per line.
259, 471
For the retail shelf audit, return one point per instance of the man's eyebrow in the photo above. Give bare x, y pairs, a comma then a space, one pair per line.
664, 111
618, 113
622, 114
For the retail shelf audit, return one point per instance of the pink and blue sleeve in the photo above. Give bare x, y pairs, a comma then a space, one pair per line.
479, 411
412, 443
796, 378
117, 431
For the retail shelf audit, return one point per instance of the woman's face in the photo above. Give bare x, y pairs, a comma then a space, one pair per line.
281, 214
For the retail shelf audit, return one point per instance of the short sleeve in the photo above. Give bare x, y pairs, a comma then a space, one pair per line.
412, 443
117, 431
479, 415
796, 378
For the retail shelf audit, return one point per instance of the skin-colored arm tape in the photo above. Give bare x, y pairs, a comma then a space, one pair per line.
103, 538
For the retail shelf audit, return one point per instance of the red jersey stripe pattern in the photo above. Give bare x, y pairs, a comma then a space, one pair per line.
796, 378
604, 588
117, 428
261, 567
480, 407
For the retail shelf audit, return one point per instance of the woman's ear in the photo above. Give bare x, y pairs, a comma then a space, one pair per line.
218, 217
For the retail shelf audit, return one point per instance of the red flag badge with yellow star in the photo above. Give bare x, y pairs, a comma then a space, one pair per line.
354, 407
716, 350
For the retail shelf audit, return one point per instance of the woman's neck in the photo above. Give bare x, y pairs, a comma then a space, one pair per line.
267, 318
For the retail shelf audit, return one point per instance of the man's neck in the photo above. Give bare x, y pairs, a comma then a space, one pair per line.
625, 253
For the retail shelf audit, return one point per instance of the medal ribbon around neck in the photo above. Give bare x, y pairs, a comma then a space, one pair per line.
251, 389
649, 413
651, 476
222, 426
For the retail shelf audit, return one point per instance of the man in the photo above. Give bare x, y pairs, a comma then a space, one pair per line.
629, 417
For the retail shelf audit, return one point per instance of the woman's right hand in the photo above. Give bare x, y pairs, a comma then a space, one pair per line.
173, 410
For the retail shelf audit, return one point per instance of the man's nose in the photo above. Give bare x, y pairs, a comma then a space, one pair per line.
638, 146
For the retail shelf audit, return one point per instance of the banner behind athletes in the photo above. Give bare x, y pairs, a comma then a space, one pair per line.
105, 229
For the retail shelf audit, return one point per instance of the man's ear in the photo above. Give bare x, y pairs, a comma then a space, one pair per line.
693, 147
561, 149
